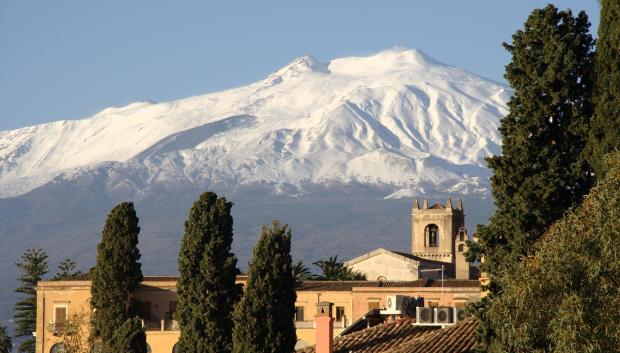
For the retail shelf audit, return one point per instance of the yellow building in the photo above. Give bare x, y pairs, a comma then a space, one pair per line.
58, 300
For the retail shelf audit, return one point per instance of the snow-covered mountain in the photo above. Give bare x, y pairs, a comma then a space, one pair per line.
395, 118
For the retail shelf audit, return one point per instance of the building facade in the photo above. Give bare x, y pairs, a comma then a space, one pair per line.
58, 301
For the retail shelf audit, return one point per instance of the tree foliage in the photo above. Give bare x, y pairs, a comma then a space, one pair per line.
6, 344
301, 272
334, 270
565, 298
542, 171
206, 288
129, 337
66, 270
33, 267
264, 318
604, 136
116, 275
74, 333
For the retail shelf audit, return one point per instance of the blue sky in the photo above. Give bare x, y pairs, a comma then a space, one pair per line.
65, 59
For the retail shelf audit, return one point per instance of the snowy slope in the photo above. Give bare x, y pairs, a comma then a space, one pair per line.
396, 118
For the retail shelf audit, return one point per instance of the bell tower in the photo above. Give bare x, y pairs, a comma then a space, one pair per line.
438, 234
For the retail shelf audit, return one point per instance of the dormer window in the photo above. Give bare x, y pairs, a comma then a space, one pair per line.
431, 235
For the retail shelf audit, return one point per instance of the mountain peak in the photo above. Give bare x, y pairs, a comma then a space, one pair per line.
395, 59
301, 65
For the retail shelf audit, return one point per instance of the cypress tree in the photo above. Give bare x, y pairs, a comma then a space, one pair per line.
116, 275
6, 344
129, 338
264, 318
66, 270
605, 136
207, 272
542, 171
33, 267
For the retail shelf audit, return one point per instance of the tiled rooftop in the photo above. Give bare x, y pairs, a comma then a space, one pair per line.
337, 286
460, 338
346, 286
403, 336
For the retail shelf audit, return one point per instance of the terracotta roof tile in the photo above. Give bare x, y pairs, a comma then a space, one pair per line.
346, 286
403, 336
336, 286
460, 338
380, 338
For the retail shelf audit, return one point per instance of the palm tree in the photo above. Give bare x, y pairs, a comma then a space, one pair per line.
334, 270
331, 268
301, 272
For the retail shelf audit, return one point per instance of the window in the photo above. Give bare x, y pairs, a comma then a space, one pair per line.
381, 278
175, 348
58, 348
339, 313
172, 308
431, 235
60, 317
460, 304
299, 313
145, 311
373, 304
461, 247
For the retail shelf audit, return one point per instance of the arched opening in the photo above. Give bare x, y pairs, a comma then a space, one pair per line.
148, 348
461, 247
381, 278
461, 234
175, 348
431, 235
58, 348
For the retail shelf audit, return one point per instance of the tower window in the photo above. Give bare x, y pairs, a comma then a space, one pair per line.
431, 235
461, 234
461, 247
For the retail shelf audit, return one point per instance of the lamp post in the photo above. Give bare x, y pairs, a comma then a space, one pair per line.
442, 269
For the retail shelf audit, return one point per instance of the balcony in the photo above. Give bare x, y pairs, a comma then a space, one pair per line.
57, 327
160, 325
306, 324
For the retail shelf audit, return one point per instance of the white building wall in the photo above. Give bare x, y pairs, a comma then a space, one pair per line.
391, 267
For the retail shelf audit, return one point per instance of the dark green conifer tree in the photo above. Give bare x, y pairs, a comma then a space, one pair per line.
542, 171
6, 344
129, 338
605, 129
33, 267
66, 270
116, 275
207, 271
264, 318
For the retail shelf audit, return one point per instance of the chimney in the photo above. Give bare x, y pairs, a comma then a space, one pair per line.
324, 323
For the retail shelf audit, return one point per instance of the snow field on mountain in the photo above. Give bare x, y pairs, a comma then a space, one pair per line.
397, 117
